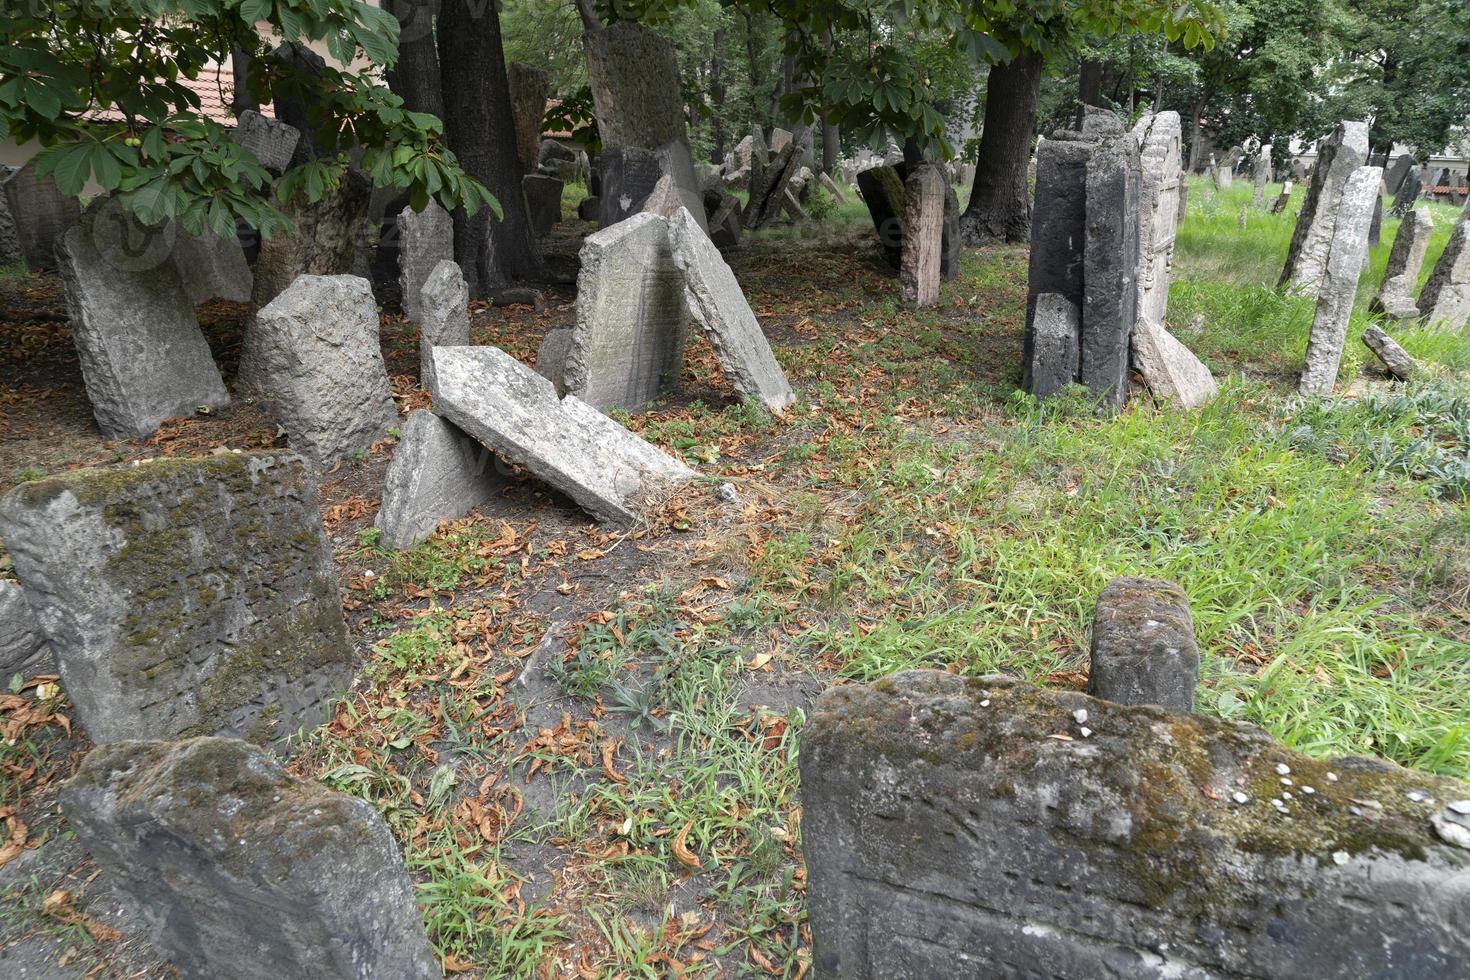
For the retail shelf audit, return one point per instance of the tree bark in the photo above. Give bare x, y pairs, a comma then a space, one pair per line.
717, 96
1196, 138
1090, 82
415, 76
240, 97
1000, 202
831, 147
480, 129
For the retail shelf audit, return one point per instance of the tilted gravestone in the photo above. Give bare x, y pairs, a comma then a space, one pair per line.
272, 141
768, 186
1337, 284
425, 238
1110, 263
718, 303
322, 366
1401, 168
1158, 138
628, 344
529, 87
565, 442
1172, 373
981, 827
882, 190
438, 474
212, 267
142, 354
185, 596
40, 213
1260, 175
1338, 158
1143, 645
1396, 360
923, 235
1407, 195
23, 646
243, 870
1445, 298
1395, 296
543, 202
634, 76
1375, 226
1282, 199
444, 316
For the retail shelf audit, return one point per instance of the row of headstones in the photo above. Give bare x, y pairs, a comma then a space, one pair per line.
916, 215
982, 827
1108, 202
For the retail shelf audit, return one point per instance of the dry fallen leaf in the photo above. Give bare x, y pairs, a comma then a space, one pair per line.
681, 850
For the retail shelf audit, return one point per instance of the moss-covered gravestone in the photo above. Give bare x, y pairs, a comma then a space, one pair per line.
981, 827
245, 871
184, 596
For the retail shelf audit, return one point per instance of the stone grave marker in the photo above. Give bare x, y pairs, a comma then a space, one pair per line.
1408, 194
543, 202
425, 238
1110, 263
1161, 179
1395, 296
1394, 179
444, 319
1338, 158
1337, 284
1056, 327
211, 267
438, 474
1282, 199
40, 215
1395, 359
529, 87
923, 236
1260, 175
1143, 645
1171, 372
272, 141
1445, 298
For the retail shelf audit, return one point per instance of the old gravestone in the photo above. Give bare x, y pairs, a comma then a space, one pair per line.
271, 141
1407, 195
1395, 296
980, 827
634, 76
1396, 360
718, 303
1143, 645
528, 87
185, 596
565, 442
1339, 156
40, 214
444, 319
1338, 281
322, 366
1057, 233
438, 473
1161, 180
1110, 263
1375, 226
211, 267
882, 190
1394, 179
1284, 198
630, 175
628, 344
23, 646
923, 235
425, 238
1260, 175
142, 355
768, 186
1056, 325
1172, 373
243, 870
1445, 298
543, 202
322, 241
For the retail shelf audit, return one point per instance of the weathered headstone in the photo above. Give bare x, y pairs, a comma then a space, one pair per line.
272, 141
634, 77
630, 175
551, 358
923, 234
40, 214
322, 366
1445, 298
1170, 371
1260, 175
1143, 645
1339, 156
1058, 230
438, 473
143, 357
211, 267
1401, 168
1056, 327
185, 596
1395, 296
1408, 194
23, 646
1282, 199
1375, 226
1110, 265
444, 316
528, 87
322, 241
1337, 285
832, 187
965, 827
628, 344
245, 871
882, 191
780, 139
718, 303
1160, 185
768, 187
543, 202
573, 447
1394, 358
425, 238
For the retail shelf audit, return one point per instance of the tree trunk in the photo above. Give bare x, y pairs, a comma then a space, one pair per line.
480, 129
1000, 201
717, 96
831, 147
415, 76
752, 58
1196, 138
1090, 82
240, 97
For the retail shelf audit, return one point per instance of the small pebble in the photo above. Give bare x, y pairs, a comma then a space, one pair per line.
1285, 795
1308, 790
1339, 857
1462, 807
985, 703
1240, 797
1355, 811
726, 492
1285, 781
1086, 732
1417, 797
1277, 803
1282, 769
1332, 777
1080, 716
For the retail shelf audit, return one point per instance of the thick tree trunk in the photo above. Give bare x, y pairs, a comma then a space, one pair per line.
480, 129
415, 76
1000, 202
1090, 82
717, 97
240, 97
831, 147
1197, 137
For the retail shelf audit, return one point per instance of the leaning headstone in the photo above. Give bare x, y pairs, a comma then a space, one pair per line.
1445, 298
768, 187
628, 344
1110, 265
212, 267
438, 474
1160, 186
882, 191
528, 87
272, 141
543, 202
142, 354
1224, 177
1394, 179
1338, 282
780, 139
243, 870
631, 174
1408, 194
1395, 296
23, 646
551, 358
832, 187
1375, 227
323, 367
444, 316
573, 447
425, 238
1394, 358
1260, 175
1056, 326
185, 596
41, 215
634, 77
979, 827
923, 225
1338, 158
1170, 371
1282, 199
718, 303
1143, 645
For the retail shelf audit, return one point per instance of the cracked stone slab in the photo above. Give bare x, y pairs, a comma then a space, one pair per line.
438, 474
1173, 374
1395, 359
1337, 285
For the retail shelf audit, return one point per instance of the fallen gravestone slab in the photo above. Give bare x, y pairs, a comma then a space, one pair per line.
1338, 158
444, 316
1052, 365
184, 596
568, 444
628, 345
981, 827
1394, 358
425, 238
1173, 375
40, 215
211, 267
142, 354
1143, 646
317, 344
1445, 298
1395, 296
717, 302
23, 646
438, 473
1337, 285
245, 871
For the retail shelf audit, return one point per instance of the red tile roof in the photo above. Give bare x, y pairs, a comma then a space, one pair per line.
215, 88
